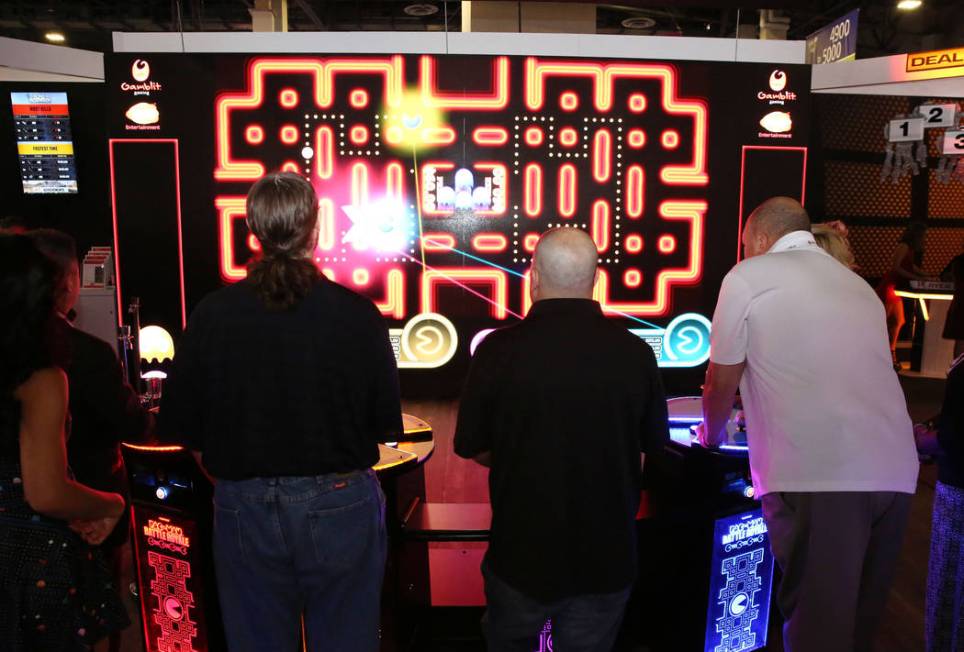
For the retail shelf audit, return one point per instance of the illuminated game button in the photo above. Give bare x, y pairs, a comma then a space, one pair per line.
288, 135
254, 135
667, 244
162, 493
637, 102
670, 139
358, 98
358, 134
634, 243
428, 340
687, 341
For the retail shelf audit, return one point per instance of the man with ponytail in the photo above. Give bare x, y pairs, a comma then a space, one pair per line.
284, 383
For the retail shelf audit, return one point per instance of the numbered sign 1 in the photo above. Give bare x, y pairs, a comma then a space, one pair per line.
953, 143
905, 129
939, 115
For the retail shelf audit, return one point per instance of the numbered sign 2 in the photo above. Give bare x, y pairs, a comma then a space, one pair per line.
904, 130
953, 143
939, 115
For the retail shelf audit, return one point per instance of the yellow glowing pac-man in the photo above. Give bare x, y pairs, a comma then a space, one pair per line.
143, 113
777, 122
414, 124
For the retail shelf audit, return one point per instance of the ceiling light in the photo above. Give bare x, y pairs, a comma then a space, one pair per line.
421, 9
55, 37
909, 5
638, 22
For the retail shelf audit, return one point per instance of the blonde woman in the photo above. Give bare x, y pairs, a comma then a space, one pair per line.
832, 238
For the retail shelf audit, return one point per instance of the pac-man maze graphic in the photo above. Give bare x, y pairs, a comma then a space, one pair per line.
429, 181
174, 603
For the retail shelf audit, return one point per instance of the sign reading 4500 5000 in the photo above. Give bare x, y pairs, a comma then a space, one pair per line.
835, 42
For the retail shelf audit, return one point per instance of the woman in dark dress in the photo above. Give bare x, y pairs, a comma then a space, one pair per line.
954, 326
55, 589
906, 266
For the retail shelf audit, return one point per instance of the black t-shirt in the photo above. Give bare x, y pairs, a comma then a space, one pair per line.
300, 392
950, 429
565, 401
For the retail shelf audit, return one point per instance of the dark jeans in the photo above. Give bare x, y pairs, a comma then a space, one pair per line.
838, 552
287, 547
583, 623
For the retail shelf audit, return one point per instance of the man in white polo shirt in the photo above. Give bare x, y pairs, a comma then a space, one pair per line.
831, 444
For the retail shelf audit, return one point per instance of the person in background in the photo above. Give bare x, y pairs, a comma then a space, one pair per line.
832, 451
104, 409
954, 324
55, 589
905, 266
832, 238
284, 384
944, 615
563, 407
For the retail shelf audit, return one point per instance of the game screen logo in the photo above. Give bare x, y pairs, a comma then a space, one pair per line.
437, 174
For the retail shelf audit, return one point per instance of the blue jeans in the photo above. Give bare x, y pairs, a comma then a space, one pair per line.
291, 547
583, 623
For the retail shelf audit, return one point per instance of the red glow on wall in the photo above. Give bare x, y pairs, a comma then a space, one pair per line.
632, 278
600, 224
438, 135
636, 138
567, 190
533, 190
490, 243
324, 152
358, 135
253, 243
494, 100
666, 244
288, 98
494, 280
438, 241
490, 136
290, 166
634, 243
288, 134
602, 156
530, 241
534, 136
569, 101
254, 135
568, 137
635, 191
637, 102
358, 98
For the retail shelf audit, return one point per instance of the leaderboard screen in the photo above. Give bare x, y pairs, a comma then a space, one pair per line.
437, 175
44, 143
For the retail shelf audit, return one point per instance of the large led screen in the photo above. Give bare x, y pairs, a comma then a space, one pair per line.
437, 174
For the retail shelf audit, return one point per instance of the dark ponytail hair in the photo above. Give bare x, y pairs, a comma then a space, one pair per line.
282, 212
27, 285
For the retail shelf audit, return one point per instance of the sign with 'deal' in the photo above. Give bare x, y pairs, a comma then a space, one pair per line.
935, 60
953, 143
835, 42
904, 130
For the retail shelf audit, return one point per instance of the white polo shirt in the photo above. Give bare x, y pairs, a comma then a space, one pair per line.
824, 409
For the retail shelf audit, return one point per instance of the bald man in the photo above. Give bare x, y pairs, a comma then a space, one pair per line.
563, 406
831, 444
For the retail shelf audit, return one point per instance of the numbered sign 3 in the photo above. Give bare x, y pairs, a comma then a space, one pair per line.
953, 143
938, 115
905, 130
